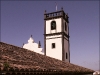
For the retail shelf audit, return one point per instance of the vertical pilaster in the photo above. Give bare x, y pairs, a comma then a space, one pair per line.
44, 33
62, 25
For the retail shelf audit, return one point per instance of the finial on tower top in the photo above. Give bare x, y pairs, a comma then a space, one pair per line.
61, 8
23, 45
45, 11
39, 45
56, 6
31, 35
31, 40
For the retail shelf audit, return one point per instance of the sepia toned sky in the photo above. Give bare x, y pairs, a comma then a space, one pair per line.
21, 19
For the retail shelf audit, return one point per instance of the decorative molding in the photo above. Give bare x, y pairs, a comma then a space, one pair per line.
58, 33
53, 38
66, 39
54, 15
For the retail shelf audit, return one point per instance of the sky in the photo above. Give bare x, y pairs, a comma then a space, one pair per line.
21, 19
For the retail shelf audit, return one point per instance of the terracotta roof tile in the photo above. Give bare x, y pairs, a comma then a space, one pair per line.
21, 58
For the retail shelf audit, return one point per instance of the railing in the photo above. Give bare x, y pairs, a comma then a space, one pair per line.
54, 14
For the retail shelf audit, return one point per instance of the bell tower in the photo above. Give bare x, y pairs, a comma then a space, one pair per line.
56, 35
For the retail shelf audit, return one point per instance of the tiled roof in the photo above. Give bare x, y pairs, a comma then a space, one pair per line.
21, 58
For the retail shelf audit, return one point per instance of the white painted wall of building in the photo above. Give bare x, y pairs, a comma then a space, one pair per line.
66, 50
32, 46
57, 51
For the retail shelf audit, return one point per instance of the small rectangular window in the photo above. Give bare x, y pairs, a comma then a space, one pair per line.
65, 27
53, 45
66, 55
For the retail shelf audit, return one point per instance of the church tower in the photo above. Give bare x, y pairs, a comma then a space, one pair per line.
56, 35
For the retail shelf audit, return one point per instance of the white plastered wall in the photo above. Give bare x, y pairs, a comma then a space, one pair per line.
66, 50
57, 51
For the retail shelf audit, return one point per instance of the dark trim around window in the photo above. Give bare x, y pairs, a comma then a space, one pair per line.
53, 25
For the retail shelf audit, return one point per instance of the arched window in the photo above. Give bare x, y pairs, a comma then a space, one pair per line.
53, 25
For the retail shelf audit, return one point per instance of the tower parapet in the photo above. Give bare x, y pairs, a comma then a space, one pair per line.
57, 14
